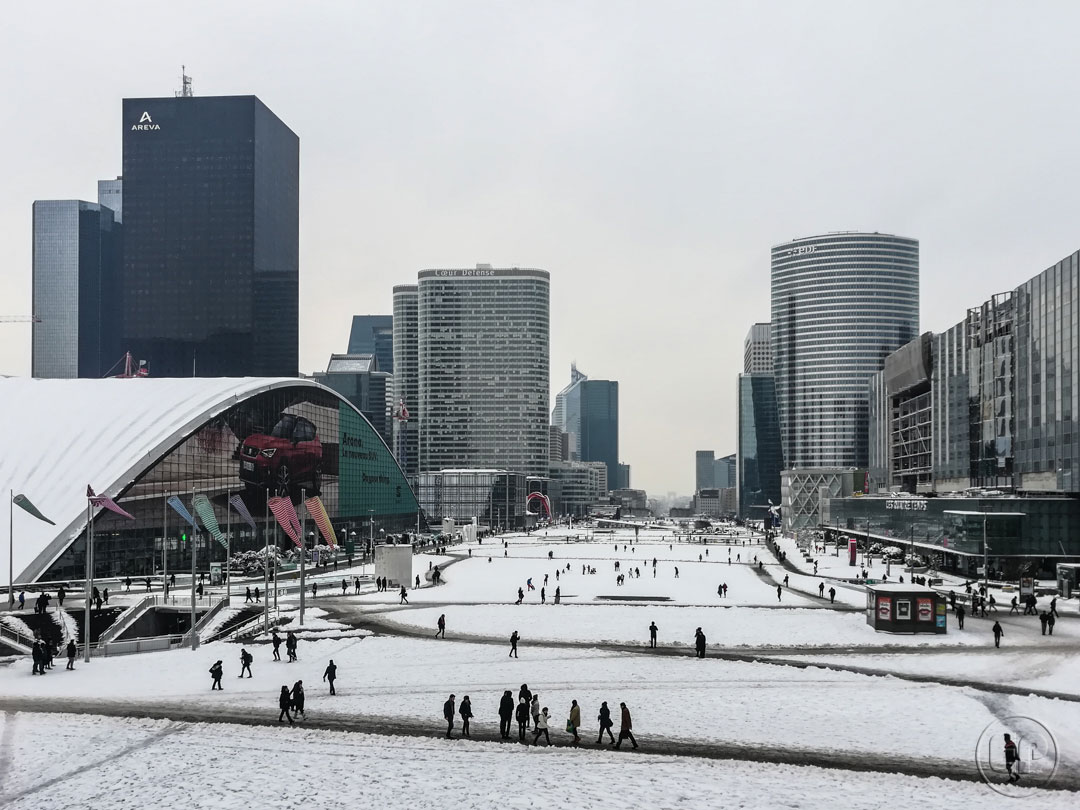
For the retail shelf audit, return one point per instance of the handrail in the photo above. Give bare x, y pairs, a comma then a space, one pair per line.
125, 620
240, 630
223, 602
14, 636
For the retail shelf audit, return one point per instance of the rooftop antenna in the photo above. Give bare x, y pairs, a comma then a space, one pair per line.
185, 84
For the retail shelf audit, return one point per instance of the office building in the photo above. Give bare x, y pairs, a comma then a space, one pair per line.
76, 266
724, 472
598, 439
374, 334
704, 470
623, 481
841, 303
496, 498
211, 214
566, 415
358, 379
757, 350
558, 444
759, 458
406, 378
110, 193
575, 486
483, 369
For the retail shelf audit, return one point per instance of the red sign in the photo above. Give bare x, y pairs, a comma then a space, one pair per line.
884, 608
926, 610
853, 550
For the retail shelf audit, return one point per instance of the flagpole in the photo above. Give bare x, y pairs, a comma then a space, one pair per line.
228, 545
89, 570
164, 538
11, 552
194, 543
276, 550
266, 567
303, 555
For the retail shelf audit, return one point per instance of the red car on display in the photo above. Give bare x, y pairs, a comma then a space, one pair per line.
285, 460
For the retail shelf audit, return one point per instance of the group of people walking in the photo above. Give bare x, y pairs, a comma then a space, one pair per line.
528, 709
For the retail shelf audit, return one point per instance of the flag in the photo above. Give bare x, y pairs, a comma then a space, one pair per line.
322, 520
106, 502
403, 412
285, 513
205, 510
181, 510
24, 503
237, 503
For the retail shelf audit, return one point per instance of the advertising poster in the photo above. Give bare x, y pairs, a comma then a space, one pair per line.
903, 610
926, 610
884, 608
1027, 587
941, 614
853, 550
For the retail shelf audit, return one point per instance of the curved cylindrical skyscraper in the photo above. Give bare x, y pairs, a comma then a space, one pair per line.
406, 377
841, 302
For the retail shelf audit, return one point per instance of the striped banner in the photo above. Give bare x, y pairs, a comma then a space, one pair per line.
181, 510
205, 510
237, 503
322, 520
285, 513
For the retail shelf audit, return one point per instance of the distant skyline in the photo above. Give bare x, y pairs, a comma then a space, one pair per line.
647, 155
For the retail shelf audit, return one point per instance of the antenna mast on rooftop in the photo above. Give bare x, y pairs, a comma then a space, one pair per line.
185, 84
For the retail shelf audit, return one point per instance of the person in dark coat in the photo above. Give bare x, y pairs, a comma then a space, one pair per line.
1011, 758
72, 651
61, 593
298, 699
344, 582
314, 590
215, 672
1042, 620
522, 714
604, 718
258, 593
1050, 622
998, 633
506, 714
699, 642
284, 702
441, 631
779, 592
466, 713
275, 639
290, 645
513, 644
331, 675
404, 596
832, 595
652, 634
245, 662
626, 727
39, 659
960, 617
448, 715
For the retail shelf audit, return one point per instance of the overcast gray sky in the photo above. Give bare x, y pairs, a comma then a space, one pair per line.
647, 154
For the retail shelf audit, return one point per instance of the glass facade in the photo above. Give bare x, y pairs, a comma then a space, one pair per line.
599, 424
840, 304
353, 376
211, 209
406, 376
76, 265
291, 441
374, 334
1048, 528
759, 459
483, 369
494, 497
704, 469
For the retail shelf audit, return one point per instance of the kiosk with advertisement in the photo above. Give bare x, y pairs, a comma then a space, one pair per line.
895, 608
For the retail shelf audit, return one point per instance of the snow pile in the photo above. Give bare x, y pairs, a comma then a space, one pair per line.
18, 625
69, 628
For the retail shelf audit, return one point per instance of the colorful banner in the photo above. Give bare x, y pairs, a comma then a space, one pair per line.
205, 510
181, 510
853, 550
285, 514
237, 503
24, 503
322, 520
106, 502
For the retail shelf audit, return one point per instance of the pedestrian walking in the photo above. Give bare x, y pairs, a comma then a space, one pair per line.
1050, 622
779, 591
466, 714
258, 593
417, 585
1042, 620
699, 642
998, 633
960, 617
71, 653
448, 715
290, 645
344, 583
1015, 607
441, 631
652, 634
522, 715
275, 639
330, 675
356, 585
199, 590
543, 596
676, 572
284, 702
534, 709
1011, 760
521, 595
127, 583
558, 594
821, 590
1053, 606
604, 719
626, 727
215, 673
506, 714
38, 658
298, 698
314, 590
541, 727
513, 644
574, 722
245, 662
404, 596
247, 595
785, 580
61, 593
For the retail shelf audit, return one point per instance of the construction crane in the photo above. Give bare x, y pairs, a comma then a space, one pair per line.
19, 319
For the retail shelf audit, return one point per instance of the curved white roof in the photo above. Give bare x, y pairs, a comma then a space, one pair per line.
58, 436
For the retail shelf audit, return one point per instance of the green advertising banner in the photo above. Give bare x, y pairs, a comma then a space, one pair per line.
369, 476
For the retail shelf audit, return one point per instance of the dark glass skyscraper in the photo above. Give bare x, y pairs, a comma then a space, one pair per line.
76, 266
599, 439
760, 458
211, 216
374, 334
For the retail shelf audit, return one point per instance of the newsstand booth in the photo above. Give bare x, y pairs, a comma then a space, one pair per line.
895, 608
